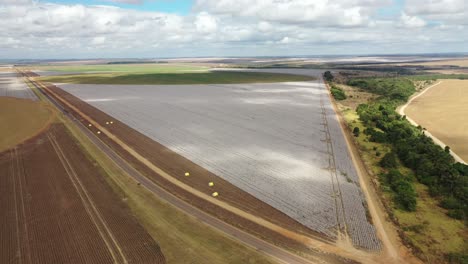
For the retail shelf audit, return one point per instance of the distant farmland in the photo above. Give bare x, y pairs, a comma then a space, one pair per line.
12, 86
134, 68
212, 77
279, 142
442, 111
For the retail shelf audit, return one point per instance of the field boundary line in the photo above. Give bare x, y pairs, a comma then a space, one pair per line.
25, 223
305, 240
93, 212
340, 218
401, 111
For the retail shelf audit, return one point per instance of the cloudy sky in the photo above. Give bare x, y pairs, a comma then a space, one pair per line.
177, 28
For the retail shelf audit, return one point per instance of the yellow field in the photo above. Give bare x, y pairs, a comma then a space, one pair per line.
21, 119
443, 111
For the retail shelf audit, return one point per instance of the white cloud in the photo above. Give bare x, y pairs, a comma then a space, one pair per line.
264, 27
425, 7
411, 21
449, 12
14, 2
320, 12
205, 23
98, 40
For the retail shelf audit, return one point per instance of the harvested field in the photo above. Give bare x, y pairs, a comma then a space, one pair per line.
442, 111
58, 208
21, 119
279, 142
13, 86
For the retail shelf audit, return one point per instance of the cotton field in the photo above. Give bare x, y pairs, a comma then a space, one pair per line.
280, 142
12, 85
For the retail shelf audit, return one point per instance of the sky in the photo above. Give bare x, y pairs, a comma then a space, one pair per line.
65, 29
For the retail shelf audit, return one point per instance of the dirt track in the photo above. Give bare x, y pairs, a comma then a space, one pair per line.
58, 208
393, 249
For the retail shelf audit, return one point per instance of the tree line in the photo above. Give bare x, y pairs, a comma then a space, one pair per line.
432, 165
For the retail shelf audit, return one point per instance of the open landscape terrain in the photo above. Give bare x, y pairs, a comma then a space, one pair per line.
442, 111
234, 132
434, 229
281, 143
263, 148
57, 206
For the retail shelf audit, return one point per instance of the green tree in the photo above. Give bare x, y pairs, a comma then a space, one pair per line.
447, 149
389, 161
328, 76
356, 131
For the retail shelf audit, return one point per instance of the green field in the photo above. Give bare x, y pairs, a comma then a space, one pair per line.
217, 77
124, 68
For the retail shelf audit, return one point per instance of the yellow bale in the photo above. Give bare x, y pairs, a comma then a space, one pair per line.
215, 194
99, 132
187, 174
211, 184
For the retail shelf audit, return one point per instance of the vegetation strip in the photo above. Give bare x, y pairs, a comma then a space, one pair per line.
432, 165
215, 77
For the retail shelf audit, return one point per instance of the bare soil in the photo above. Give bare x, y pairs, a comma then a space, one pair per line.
58, 208
442, 111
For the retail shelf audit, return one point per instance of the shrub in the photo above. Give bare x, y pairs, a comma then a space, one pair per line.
356, 131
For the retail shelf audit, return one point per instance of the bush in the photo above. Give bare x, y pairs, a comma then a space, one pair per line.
389, 161
404, 194
337, 93
395, 88
328, 76
356, 131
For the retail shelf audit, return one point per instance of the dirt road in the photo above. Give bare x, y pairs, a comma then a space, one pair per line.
393, 250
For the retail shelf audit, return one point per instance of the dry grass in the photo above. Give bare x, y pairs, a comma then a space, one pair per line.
429, 228
442, 111
355, 97
21, 119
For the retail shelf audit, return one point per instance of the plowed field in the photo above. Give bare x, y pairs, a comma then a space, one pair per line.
58, 208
